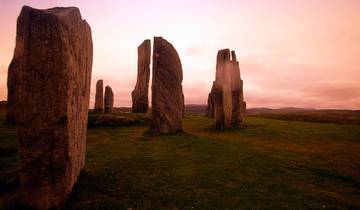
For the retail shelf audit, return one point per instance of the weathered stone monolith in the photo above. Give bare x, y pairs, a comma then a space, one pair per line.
167, 95
52, 64
140, 100
99, 97
108, 100
238, 104
12, 80
225, 101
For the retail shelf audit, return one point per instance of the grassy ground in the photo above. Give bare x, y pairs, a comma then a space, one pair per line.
272, 164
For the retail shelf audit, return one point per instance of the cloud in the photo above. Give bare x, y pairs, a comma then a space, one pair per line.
280, 84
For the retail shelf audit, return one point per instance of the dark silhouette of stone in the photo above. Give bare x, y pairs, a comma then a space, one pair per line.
211, 103
99, 97
109, 100
52, 65
11, 96
140, 100
167, 95
225, 101
3, 105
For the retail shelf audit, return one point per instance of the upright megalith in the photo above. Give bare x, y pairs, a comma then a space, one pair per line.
167, 95
52, 64
238, 103
226, 101
99, 97
11, 96
140, 101
108, 100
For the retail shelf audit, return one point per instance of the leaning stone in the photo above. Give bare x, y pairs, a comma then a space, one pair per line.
167, 94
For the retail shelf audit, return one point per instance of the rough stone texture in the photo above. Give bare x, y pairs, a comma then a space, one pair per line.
140, 100
11, 96
52, 63
167, 95
99, 97
225, 101
109, 100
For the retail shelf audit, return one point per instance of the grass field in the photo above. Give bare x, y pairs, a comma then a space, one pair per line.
272, 164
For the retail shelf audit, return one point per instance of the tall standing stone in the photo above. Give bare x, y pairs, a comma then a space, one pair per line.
238, 103
225, 101
99, 97
52, 63
140, 100
222, 60
109, 100
167, 95
11, 96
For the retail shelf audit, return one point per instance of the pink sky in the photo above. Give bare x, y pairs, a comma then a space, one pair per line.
299, 53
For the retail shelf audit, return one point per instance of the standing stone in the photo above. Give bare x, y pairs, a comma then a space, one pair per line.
239, 106
99, 97
223, 57
211, 102
140, 93
225, 101
52, 63
11, 96
109, 100
167, 95
227, 95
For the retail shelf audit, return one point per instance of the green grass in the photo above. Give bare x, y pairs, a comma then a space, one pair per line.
272, 164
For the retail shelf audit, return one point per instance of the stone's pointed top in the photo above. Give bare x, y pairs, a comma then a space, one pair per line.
223, 55
146, 44
233, 55
169, 54
99, 81
108, 88
59, 12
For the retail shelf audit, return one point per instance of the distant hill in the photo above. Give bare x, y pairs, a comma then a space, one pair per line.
336, 116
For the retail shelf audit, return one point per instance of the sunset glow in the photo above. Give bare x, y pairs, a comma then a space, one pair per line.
291, 53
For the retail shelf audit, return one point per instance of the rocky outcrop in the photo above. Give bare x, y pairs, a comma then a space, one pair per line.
109, 100
167, 95
99, 97
140, 101
225, 101
52, 65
